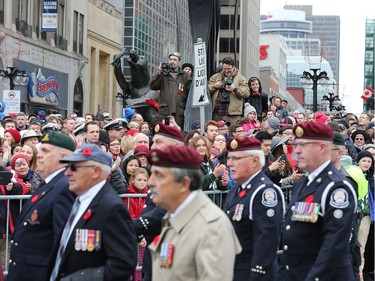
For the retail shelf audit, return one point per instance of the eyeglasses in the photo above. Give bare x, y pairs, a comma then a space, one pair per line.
359, 139
302, 145
234, 158
73, 167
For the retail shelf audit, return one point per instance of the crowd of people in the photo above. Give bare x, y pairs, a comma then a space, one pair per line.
301, 183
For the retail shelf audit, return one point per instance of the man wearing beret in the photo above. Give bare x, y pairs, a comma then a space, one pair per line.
197, 241
319, 218
174, 85
165, 135
98, 240
43, 216
255, 207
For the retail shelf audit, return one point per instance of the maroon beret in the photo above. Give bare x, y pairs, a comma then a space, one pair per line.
175, 157
246, 143
168, 131
141, 150
313, 130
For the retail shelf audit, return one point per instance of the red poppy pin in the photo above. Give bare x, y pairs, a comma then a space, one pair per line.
87, 215
309, 199
86, 151
156, 239
242, 193
34, 198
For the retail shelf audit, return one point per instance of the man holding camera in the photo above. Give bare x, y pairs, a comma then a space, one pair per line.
173, 84
228, 89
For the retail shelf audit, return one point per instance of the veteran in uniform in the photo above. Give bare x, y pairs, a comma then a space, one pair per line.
197, 241
255, 207
43, 216
165, 135
319, 218
116, 128
98, 241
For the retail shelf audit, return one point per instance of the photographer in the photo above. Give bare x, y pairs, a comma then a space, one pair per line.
174, 85
228, 89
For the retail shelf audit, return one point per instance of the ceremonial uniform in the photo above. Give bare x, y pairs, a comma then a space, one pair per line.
109, 221
38, 226
317, 229
147, 226
256, 211
319, 218
197, 244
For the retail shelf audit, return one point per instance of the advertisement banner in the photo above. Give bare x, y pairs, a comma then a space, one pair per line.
49, 18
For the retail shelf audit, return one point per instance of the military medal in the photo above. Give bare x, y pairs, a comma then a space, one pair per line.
84, 239
77, 242
166, 255
90, 240
98, 240
306, 212
238, 212
34, 218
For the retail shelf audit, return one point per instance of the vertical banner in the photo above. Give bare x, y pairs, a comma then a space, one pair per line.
49, 19
12, 99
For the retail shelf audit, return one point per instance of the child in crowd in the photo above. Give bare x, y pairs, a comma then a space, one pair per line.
250, 120
138, 185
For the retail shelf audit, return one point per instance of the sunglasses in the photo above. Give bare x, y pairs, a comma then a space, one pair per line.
359, 139
73, 167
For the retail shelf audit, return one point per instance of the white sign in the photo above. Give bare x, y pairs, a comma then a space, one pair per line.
12, 99
200, 75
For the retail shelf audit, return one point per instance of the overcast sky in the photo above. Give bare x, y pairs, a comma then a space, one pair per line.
353, 20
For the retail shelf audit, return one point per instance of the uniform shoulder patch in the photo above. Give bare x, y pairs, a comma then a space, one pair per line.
269, 197
339, 198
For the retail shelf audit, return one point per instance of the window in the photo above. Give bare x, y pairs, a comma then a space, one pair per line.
75, 29
2, 11
21, 16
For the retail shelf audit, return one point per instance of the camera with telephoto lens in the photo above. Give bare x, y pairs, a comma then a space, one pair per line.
165, 65
228, 82
224, 95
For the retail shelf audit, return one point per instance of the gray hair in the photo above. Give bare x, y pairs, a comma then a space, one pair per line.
195, 176
105, 168
258, 153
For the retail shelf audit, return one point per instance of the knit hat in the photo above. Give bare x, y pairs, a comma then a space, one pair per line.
187, 65
321, 117
248, 108
365, 153
273, 122
19, 156
15, 134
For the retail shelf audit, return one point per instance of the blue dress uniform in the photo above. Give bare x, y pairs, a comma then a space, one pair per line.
256, 211
317, 229
147, 226
37, 228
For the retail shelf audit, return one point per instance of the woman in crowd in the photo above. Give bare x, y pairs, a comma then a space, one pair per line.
20, 164
360, 138
127, 146
366, 215
130, 164
15, 148
191, 134
250, 120
214, 177
31, 152
217, 147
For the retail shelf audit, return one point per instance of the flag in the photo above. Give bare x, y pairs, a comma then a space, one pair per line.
367, 94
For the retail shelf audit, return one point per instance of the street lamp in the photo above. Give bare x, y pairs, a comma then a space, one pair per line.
15, 76
309, 79
341, 109
334, 101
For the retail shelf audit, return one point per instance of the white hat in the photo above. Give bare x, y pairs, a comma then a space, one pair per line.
248, 108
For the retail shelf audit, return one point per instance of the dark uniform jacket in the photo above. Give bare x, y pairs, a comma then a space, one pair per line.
319, 250
118, 245
42, 218
257, 218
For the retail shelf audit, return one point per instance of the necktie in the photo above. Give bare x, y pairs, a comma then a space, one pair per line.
64, 239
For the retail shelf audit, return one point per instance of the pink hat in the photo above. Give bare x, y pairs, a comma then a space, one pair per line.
320, 117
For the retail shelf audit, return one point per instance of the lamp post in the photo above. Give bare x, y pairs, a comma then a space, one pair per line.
307, 79
334, 101
341, 109
15, 76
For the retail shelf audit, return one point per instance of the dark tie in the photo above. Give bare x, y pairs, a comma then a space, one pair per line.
64, 239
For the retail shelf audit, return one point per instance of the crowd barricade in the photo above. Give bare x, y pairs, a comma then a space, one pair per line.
217, 196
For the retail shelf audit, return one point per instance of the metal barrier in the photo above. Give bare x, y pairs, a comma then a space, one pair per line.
217, 196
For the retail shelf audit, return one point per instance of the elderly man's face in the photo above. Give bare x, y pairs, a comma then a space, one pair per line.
242, 165
80, 176
165, 191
